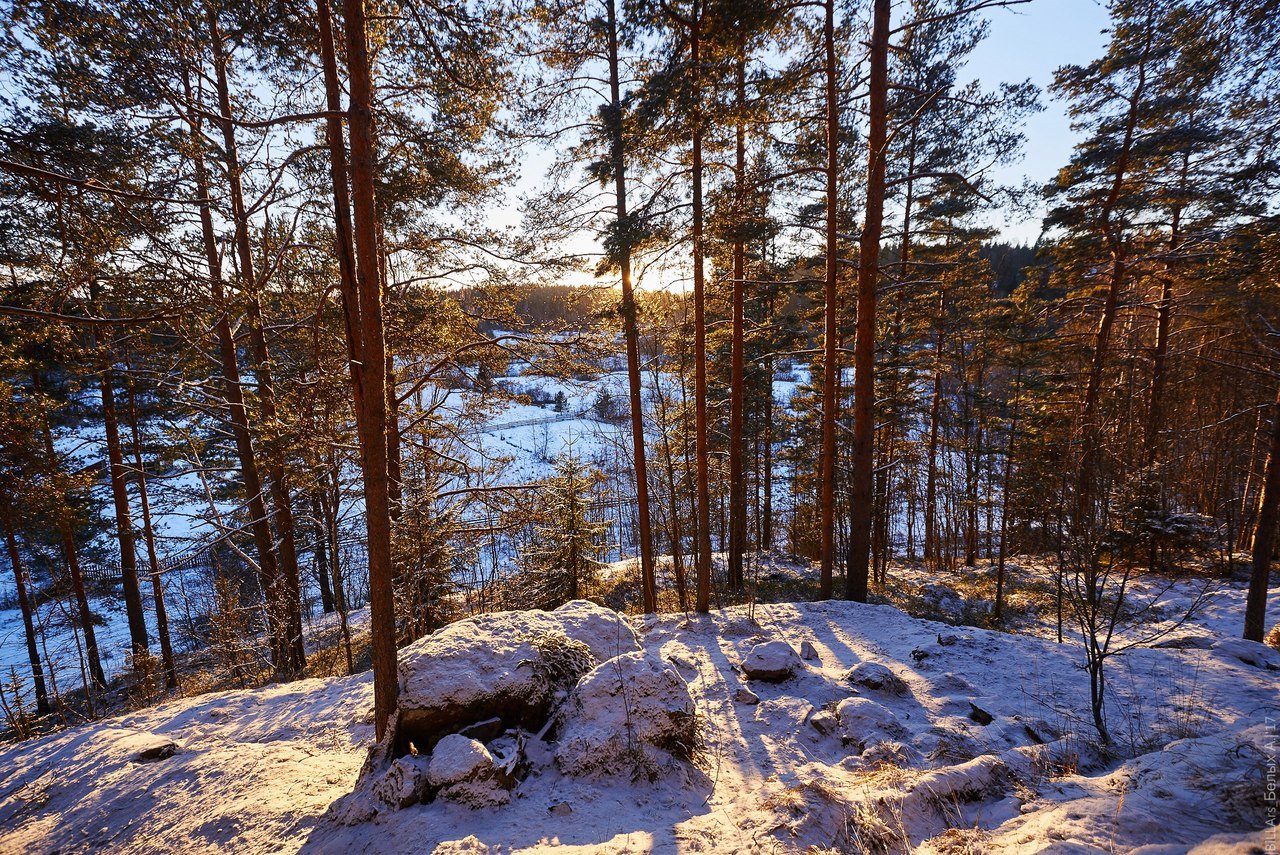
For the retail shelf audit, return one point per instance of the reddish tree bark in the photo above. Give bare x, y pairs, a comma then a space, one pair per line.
864, 354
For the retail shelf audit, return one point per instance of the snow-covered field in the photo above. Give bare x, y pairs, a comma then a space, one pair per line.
983, 746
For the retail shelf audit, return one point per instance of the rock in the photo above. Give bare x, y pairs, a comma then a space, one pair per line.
1186, 642
863, 722
746, 696
457, 758
464, 771
1249, 652
561, 809
785, 714
771, 661
404, 784
873, 675
630, 712
159, 749
948, 639
919, 655
809, 653
979, 715
825, 722
507, 666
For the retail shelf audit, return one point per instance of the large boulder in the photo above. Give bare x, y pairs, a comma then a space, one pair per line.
771, 661
628, 715
512, 666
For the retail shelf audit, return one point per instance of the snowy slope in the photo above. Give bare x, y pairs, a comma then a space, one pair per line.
255, 770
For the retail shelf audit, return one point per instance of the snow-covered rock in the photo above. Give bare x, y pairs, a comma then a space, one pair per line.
864, 722
457, 758
508, 665
405, 783
1248, 652
873, 675
627, 714
771, 661
464, 771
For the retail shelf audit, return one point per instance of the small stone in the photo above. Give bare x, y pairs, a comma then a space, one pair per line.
948, 639
979, 715
159, 751
771, 661
561, 809
809, 653
919, 655
825, 722
746, 696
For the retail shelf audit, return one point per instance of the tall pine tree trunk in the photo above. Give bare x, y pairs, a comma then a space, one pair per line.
1264, 537
864, 356
831, 298
120, 500
232, 388
371, 407
737, 392
24, 605
285, 599
149, 539
630, 325
69, 551
702, 450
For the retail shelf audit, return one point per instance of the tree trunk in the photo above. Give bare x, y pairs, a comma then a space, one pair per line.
322, 554
831, 299
864, 357
120, 498
737, 382
702, 449
1007, 484
149, 538
932, 551
285, 599
1164, 315
630, 325
1089, 438
69, 551
233, 391
24, 605
1264, 536
371, 408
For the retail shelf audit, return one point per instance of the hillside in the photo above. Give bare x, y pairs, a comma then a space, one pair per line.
983, 746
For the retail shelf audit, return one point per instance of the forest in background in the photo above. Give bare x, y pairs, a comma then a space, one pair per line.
253, 246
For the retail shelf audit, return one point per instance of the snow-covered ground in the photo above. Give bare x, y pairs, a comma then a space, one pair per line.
984, 746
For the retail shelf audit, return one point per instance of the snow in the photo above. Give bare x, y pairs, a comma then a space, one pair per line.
256, 770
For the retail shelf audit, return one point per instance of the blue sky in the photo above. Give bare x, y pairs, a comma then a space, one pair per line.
1030, 41
1027, 41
